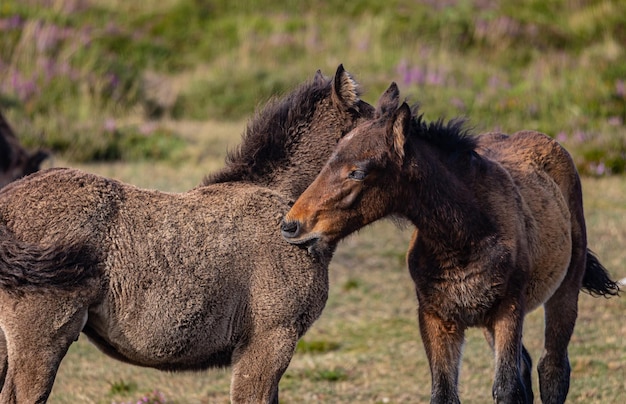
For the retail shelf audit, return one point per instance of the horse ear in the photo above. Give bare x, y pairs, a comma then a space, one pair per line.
319, 78
345, 92
34, 161
388, 102
400, 128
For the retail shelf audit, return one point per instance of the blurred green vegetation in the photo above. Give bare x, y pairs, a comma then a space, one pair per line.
71, 70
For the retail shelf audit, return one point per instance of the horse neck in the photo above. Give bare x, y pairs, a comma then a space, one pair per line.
305, 159
441, 200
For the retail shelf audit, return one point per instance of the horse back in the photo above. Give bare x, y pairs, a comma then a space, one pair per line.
60, 206
528, 151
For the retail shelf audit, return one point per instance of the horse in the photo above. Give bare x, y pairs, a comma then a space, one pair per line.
500, 231
173, 281
15, 161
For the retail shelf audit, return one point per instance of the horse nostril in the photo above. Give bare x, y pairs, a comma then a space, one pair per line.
290, 229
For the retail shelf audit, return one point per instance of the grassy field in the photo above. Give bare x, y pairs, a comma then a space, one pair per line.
366, 346
153, 93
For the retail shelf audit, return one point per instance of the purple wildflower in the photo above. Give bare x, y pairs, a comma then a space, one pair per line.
435, 78
11, 23
620, 88
580, 136
615, 121
110, 125
598, 169
416, 76
147, 128
458, 103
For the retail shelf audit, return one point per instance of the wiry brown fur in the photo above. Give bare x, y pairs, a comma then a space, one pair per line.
15, 161
166, 280
500, 231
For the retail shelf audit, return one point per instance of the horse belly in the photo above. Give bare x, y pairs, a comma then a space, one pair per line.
178, 334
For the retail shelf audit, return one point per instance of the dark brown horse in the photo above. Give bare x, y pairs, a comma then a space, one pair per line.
173, 281
500, 231
15, 161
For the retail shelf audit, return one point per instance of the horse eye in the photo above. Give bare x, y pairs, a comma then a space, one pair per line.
358, 175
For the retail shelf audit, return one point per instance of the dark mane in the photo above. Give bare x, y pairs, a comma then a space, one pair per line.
452, 136
267, 137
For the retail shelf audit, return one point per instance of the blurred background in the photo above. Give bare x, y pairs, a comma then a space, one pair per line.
154, 92
106, 80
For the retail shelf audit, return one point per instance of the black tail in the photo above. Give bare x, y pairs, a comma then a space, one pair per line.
596, 281
25, 266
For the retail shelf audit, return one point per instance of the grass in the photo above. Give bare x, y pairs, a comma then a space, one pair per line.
366, 346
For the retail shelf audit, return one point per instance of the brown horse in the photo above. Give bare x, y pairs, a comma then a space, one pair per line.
500, 231
15, 161
173, 281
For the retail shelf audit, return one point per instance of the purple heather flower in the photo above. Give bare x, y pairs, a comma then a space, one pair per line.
580, 136
110, 125
620, 88
435, 78
615, 121
147, 128
458, 103
416, 76
11, 23
600, 169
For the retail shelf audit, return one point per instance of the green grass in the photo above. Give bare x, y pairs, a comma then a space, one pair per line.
366, 346
154, 92
70, 69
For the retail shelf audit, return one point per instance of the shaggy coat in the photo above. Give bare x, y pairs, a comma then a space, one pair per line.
500, 231
173, 281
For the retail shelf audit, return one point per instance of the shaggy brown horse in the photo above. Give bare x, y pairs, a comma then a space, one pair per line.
15, 161
173, 281
500, 231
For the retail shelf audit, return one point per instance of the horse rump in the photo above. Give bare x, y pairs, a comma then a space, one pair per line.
596, 280
28, 266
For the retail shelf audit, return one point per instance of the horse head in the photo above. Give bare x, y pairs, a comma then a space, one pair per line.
15, 161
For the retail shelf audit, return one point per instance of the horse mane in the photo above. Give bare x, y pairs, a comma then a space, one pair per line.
453, 136
266, 139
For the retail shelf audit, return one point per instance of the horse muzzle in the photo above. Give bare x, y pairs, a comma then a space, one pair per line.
293, 231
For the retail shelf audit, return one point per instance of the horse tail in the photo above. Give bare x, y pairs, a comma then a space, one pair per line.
28, 266
596, 280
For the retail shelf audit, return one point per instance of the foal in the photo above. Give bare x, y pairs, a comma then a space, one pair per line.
500, 231
173, 281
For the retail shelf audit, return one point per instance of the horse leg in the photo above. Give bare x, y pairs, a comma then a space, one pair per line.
509, 385
443, 342
527, 365
38, 332
561, 311
259, 365
527, 368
